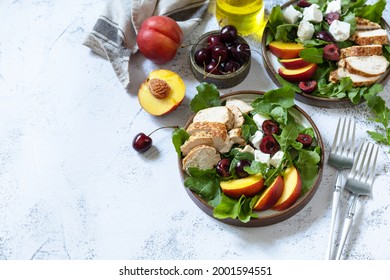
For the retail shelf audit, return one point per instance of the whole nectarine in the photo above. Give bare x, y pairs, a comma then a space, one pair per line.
159, 38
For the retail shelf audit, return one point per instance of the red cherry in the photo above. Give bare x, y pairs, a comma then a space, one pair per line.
270, 127
308, 86
305, 139
332, 52
303, 3
223, 167
143, 142
268, 145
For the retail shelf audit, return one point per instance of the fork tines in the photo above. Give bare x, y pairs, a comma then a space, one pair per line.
344, 139
363, 168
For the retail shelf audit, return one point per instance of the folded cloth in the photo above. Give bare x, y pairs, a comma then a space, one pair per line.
114, 35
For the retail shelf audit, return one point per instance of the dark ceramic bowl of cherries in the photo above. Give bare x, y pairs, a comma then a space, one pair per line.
221, 57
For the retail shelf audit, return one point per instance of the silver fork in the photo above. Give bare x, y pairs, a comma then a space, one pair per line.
341, 157
359, 182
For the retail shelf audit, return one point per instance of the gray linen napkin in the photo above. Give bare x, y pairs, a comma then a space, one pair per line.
114, 35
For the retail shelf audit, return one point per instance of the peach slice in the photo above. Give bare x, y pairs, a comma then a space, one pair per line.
270, 196
248, 186
292, 189
294, 63
285, 49
161, 92
298, 75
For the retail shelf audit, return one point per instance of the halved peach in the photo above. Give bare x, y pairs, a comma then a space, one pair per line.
248, 186
161, 92
285, 49
294, 63
298, 75
270, 196
292, 189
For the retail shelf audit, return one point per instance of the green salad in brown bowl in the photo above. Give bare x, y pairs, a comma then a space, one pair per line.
249, 158
335, 53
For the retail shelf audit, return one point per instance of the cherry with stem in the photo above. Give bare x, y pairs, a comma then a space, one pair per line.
143, 142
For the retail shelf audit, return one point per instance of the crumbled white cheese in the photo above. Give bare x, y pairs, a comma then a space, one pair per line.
255, 139
340, 30
259, 119
312, 13
248, 149
276, 158
333, 7
305, 30
291, 15
262, 157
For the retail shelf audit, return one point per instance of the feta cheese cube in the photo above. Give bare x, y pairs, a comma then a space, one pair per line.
312, 13
262, 157
291, 15
276, 158
340, 30
255, 139
259, 119
248, 149
305, 30
333, 7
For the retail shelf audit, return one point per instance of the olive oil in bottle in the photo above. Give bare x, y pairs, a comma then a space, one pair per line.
246, 15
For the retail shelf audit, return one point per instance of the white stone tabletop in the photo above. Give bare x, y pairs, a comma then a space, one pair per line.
72, 187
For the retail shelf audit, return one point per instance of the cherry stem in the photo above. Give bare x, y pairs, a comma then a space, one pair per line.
171, 126
209, 73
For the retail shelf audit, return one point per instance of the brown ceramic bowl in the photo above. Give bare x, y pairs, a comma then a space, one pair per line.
268, 217
221, 81
271, 64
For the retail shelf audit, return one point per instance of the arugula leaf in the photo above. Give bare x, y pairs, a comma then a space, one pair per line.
207, 96
320, 3
307, 164
288, 138
351, 5
236, 155
274, 20
205, 183
232, 208
179, 136
284, 32
351, 19
283, 97
248, 128
371, 12
275, 103
314, 43
379, 137
386, 52
313, 55
285, 83
381, 114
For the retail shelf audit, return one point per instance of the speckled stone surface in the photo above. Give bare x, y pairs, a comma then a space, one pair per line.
72, 187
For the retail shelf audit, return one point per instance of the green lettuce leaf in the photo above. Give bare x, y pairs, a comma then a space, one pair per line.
205, 183
207, 96
371, 12
233, 208
179, 136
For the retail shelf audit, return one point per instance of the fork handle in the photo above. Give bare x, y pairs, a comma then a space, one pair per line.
335, 205
347, 226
